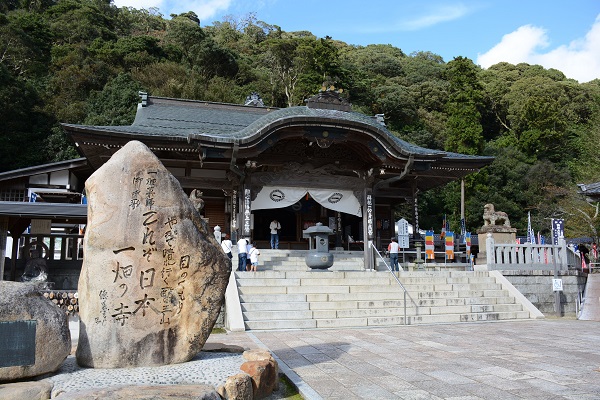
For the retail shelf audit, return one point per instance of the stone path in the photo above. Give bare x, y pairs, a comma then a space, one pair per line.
534, 359
538, 359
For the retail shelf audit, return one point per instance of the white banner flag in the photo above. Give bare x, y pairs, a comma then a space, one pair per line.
280, 197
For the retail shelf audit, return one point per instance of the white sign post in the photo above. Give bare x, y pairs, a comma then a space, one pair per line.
403, 236
557, 285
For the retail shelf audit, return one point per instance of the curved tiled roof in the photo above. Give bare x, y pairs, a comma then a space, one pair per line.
181, 120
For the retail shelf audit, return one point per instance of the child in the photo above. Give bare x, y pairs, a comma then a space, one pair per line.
253, 253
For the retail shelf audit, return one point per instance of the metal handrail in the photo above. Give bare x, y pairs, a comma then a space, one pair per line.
579, 303
399, 283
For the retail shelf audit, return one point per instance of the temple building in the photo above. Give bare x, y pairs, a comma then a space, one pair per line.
301, 165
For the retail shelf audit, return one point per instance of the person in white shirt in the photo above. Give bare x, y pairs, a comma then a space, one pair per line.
393, 250
242, 253
253, 253
226, 245
275, 226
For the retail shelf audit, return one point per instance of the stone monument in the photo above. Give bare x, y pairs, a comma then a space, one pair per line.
35, 333
497, 224
153, 278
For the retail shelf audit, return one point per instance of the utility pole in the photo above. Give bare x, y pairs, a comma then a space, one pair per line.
462, 199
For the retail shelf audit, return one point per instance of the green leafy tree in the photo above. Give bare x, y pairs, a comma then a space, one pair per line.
464, 133
24, 125
287, 60
115, 104
198, 51
25, 43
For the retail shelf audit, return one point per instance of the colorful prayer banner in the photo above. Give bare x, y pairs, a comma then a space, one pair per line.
450, 245
444, 227
429, 245
468, 243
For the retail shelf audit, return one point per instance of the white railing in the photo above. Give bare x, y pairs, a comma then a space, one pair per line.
528, 256
378, 254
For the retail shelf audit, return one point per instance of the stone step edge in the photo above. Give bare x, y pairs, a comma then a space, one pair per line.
341, 319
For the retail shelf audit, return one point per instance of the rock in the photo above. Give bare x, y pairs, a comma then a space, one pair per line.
257, 354
166, 392
222, 348
237, 387
35, 333
38, 390
153, 278
264, 376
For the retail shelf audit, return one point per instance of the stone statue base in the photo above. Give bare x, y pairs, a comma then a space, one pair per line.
500, 234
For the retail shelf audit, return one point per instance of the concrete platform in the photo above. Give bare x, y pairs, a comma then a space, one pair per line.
529, 359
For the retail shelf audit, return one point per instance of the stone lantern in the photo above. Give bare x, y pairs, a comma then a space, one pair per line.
318, 256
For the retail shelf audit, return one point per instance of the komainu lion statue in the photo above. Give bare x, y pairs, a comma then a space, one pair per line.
196, 199
493, 217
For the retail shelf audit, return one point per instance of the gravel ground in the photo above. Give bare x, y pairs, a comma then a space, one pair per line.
206, 368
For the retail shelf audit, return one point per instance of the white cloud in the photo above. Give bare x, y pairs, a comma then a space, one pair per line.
579, 60
203, 8
139, 4
441, 14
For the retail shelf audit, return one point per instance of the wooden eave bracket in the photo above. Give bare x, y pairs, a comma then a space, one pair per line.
387, 182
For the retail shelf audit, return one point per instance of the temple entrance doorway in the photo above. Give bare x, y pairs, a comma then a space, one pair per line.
301, 215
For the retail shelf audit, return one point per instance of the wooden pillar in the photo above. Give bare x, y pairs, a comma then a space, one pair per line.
3, 236
462, 199
368, 227
15, 253
338, 230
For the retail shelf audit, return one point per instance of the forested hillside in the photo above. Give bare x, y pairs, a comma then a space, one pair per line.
83, 61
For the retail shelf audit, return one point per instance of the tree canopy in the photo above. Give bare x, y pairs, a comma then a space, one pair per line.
83, 61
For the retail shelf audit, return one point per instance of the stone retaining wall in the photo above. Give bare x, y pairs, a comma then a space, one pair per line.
536, 286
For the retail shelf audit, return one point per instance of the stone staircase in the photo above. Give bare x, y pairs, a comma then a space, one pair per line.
286, 260
301, 299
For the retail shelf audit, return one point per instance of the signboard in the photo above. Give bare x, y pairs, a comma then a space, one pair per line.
17, 347
370, 217
403, 236
234, 210
558, 230
557, 285
416, 212
41, 227
247, 214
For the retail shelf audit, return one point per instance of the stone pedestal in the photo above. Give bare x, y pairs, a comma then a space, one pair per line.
500, 234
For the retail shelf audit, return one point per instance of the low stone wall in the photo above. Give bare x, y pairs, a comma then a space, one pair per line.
536, 286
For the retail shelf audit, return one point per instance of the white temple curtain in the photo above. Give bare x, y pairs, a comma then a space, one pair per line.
278, 197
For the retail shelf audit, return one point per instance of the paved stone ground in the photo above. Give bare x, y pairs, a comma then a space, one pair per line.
533, 359
536, 359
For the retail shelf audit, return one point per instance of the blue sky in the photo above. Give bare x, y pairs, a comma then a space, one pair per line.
553, 33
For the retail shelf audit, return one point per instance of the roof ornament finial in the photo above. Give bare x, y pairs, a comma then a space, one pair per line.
379, 118
254, 99
329, 98
144, 97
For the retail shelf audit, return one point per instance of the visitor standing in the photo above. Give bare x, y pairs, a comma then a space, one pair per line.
275, 227
393, 250
226, 245
242, 253
253, 253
